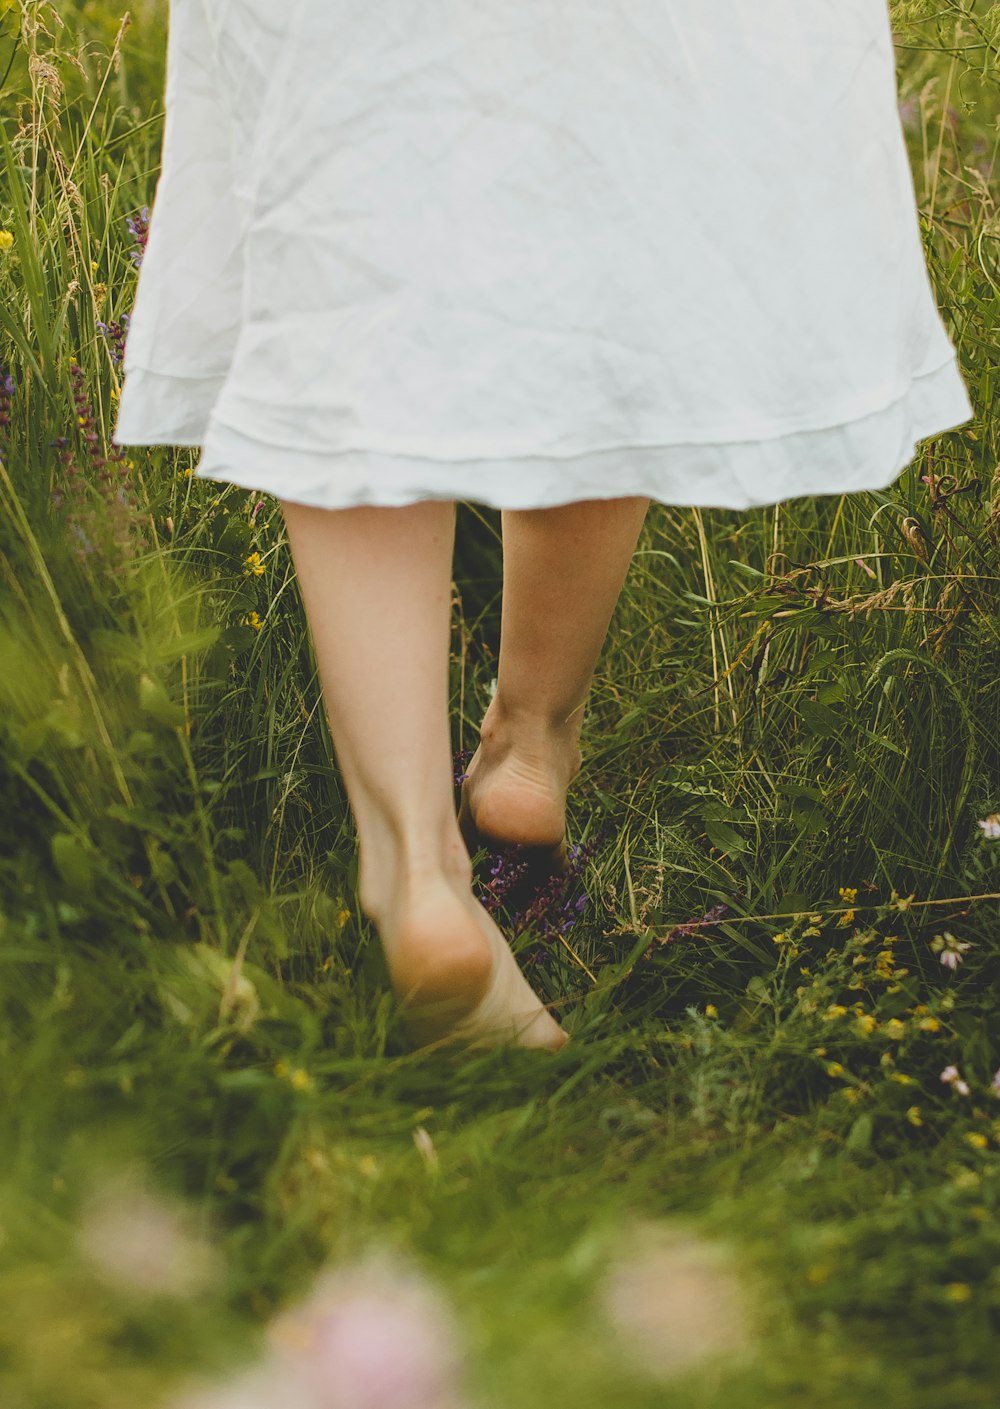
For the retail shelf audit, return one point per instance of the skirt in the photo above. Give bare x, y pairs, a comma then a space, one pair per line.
527, 252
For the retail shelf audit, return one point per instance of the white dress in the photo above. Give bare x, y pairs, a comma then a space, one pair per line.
523, 252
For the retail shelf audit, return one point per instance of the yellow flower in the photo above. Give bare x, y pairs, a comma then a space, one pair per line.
343, 918
835, 1010
848, 894
254, 620
811, 932
930, 1025
847, 918
901, 1077
301, 1080
711, 1011
914, 1117
780, 938
851, 1093
976, 1139
867, 1023
815, 919
819, 1273
255, 565
834, 1069
6, 241
93, 266
281, 1069
895, 1029
958, 1291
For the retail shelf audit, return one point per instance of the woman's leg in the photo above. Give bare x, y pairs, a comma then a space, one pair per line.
376, 585
564, 569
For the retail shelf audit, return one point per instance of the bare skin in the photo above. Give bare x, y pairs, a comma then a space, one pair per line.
376, 585
564, 569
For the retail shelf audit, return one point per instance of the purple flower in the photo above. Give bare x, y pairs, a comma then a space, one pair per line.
139, 228
115, 334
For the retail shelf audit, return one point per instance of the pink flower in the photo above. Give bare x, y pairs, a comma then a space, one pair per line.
373, 1336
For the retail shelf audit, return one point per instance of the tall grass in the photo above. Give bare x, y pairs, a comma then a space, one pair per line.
791, 745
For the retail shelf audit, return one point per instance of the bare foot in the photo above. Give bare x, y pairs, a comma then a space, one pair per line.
455, 973
515, 791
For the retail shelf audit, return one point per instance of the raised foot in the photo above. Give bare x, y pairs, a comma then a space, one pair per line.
516, 796
457, 978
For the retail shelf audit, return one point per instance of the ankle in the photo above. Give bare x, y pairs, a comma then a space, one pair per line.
531, 732
396, 865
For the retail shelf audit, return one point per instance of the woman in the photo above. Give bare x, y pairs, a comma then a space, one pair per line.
556, 258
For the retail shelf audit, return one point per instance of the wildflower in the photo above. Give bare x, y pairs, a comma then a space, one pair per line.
115, 334
976, 1139
835, 1010
6, 241
711, 1011
913, 1115
300, 1080
958, 1291
848, 894
375, 1335
255, 564
254, 621
895, 1029
950, 950
425, 1147
780, 938
139, 228
991, 826
995, 1083
144, 1242
867, 1023
950, 1077
834, 1069
851, 1093
930, 1025
674, 1300
281, 1069
901, 1077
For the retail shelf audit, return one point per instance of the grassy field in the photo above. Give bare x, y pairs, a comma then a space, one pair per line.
766, 1171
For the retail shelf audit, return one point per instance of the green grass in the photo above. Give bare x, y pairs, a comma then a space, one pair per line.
792, 701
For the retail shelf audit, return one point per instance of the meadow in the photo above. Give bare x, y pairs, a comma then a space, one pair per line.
766, 1169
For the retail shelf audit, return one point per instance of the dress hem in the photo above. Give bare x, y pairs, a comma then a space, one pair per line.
866, 454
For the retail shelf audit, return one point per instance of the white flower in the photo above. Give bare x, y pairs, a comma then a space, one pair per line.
675, 1301
991, 826
950, 950
951, 1078
143, 1242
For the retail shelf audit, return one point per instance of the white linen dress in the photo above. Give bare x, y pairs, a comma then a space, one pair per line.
524, 252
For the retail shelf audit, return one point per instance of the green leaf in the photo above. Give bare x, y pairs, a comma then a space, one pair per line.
73, 862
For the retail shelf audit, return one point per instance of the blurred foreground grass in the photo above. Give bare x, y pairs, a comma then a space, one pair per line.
797, 719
